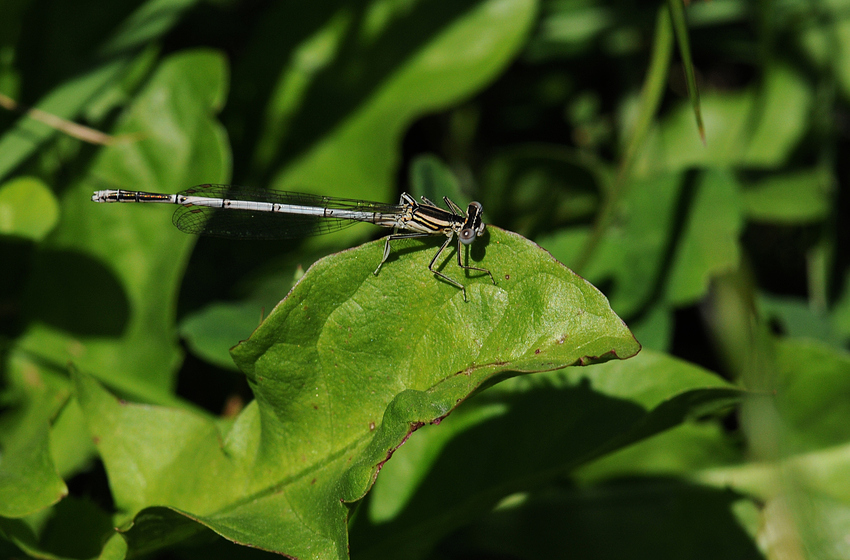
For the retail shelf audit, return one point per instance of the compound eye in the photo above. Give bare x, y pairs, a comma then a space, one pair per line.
467, 235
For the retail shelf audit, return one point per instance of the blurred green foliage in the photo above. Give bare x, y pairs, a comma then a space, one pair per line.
688, 161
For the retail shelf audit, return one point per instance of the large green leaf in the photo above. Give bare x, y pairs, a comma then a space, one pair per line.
344, 369
451, 476
358, 75
130, 259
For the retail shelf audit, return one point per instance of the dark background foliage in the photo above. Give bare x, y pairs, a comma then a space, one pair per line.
572, 123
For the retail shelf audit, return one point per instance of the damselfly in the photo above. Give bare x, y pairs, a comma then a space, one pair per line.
229, 211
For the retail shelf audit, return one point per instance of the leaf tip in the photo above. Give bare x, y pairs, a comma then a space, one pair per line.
615, 353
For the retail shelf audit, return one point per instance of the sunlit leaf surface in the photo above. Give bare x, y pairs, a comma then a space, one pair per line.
344, 369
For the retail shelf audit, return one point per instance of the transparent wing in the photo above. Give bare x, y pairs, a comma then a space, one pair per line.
250, 224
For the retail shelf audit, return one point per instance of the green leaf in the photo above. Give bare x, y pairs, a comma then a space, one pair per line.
644, 111
344, 369
66, 101
211, 332
689, 224
566, 29
32, 397
535, 187
333, 123
804, 486
451, 475
813, 394
131, 257
28, 478
840, 313
654, 328
637, 246
27, 208
70, 446
431, 178
74, 528
429, 331
114, 549
811, 486
790, 197
37, 513
797, 318
757, 127
683, 451
827, 41
708, 244
69, 42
